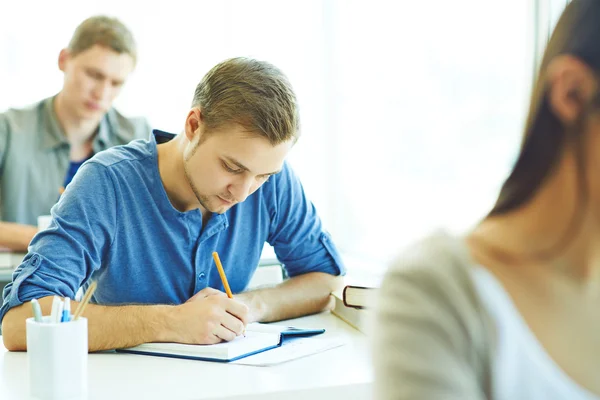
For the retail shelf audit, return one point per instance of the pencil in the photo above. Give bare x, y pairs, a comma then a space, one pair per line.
224, 279
222, 274
84, 301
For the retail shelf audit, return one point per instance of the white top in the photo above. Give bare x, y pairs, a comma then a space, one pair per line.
521, 368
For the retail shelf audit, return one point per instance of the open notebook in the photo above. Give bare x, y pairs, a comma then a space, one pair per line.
259, 338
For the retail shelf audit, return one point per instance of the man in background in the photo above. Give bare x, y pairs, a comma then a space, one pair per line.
42, 146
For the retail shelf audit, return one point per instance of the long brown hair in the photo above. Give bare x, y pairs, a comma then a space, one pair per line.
577, 33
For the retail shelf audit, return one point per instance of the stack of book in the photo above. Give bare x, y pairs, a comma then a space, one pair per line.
354, 304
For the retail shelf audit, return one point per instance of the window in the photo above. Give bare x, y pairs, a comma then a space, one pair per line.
432, 100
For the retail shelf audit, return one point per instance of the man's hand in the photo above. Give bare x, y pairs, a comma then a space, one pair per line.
209, 317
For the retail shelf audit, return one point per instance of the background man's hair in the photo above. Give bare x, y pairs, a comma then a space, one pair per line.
105, 31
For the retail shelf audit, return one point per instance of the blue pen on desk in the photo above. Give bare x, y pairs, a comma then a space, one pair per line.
66, 314
37, 311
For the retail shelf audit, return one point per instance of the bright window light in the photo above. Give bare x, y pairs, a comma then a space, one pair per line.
412, 111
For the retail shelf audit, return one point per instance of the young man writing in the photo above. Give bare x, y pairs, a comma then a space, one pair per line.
143, 220
41, 147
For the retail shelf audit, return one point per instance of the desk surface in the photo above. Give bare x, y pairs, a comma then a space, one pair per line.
341, 373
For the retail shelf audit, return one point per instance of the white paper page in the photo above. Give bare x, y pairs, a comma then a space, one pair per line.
292, 349
267, 328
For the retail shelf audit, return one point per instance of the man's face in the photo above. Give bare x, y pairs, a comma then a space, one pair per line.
229, 165
93, 79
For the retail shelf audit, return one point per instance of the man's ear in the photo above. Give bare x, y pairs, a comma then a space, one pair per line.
63, 57
572, 85
193, 124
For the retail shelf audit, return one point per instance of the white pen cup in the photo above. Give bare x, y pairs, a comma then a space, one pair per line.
57, 355
43, 221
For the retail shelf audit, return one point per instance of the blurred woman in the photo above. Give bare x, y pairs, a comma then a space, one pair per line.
512, 310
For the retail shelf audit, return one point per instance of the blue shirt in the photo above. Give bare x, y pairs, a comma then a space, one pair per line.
115, 224
72, 170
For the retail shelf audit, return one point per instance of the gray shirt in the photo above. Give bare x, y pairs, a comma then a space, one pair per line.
447, 329
34, 156
433, 338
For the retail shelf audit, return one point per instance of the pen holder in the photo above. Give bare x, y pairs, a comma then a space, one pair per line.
57, 354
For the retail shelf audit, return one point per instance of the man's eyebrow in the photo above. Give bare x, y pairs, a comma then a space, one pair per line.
242, 166
95, 70
101, 74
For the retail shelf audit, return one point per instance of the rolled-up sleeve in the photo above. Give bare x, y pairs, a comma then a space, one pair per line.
63, 256
296, 231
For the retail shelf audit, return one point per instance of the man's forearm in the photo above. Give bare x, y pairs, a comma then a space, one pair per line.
298, 296
16, 237
109, 327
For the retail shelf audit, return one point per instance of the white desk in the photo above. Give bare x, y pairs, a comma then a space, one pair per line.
341, 373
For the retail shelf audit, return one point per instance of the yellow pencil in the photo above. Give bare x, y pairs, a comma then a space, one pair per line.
84, 302
224, 278
222, 274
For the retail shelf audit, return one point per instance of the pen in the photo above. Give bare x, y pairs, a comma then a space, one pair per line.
37, 311
224, 278
54, 313
59, 311
66, 314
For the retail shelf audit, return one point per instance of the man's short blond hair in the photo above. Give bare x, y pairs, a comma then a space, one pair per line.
105, 31
251, 93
